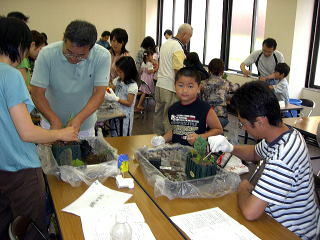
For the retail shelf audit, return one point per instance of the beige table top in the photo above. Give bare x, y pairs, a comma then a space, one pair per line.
70, 225
290, 106
228, 203
307, 125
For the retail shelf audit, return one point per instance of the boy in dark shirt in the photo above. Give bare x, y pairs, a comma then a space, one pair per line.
190, 117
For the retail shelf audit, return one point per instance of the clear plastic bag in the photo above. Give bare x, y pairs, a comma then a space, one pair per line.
174, 156
86, 173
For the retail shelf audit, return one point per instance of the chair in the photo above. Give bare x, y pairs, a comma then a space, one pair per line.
318, 141
309, 105
317, 186
19, 226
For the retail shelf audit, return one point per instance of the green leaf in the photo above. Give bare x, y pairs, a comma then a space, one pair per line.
77, 163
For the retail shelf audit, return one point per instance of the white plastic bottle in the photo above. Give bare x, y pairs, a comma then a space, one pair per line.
121, 230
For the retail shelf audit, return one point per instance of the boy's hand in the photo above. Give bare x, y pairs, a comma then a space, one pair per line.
191, 138
157, 141
263, 78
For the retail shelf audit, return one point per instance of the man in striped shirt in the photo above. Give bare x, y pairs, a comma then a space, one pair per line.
285, 189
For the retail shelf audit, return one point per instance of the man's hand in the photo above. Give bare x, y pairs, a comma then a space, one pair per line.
68, 134
76, 123
246, 72
56, 124
245, 185
219, 143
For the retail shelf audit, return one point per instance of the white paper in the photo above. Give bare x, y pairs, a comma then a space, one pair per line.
98, 226
235, 165
97, 198
212, 223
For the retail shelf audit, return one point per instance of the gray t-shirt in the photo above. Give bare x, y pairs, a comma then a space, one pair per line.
266, 65
70, 86
281, 90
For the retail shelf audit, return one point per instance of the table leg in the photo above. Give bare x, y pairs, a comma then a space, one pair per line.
121, 126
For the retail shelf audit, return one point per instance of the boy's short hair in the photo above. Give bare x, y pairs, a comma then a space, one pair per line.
282, 68
168, 31
255, 99
105, 33
270, 43
188, 72
216, 66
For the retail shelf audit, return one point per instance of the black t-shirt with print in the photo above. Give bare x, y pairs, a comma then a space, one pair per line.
187, 119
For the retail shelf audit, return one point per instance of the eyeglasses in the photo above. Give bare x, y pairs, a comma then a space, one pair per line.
79, 58
242, 125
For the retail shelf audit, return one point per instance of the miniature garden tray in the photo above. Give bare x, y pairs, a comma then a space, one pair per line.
164, 167
78, 162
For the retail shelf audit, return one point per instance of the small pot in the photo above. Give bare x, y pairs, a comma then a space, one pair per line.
194, 170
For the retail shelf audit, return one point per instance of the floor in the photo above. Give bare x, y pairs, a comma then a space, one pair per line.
143, 125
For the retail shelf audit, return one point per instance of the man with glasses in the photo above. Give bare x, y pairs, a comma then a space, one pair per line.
285, 189
69, 79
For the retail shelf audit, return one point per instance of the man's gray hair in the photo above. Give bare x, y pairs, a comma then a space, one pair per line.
81, 33
184, 28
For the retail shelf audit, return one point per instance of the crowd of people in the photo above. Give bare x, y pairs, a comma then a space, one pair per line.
68, 80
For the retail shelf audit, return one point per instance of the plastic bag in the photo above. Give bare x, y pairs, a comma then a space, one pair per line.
86, 173
174, 157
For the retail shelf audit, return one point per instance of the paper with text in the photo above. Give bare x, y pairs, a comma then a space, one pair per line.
212, 223
98, 226
97, 198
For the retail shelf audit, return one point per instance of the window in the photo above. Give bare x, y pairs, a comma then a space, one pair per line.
167, 16
247, 30
214, 30
226, 29
313, 70
178, 15
240, 37
198, 24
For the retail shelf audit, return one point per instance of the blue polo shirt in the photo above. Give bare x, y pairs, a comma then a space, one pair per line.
15, 153
70, 86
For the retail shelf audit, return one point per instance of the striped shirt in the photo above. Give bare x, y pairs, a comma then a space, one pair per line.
287, 184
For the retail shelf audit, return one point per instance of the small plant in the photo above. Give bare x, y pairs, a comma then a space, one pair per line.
77, 163
199, 152
224, 76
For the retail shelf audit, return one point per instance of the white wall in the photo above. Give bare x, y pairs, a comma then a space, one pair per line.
300, 47
280, 20
52, 17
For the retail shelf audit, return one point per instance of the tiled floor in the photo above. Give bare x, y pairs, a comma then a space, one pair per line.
143, 125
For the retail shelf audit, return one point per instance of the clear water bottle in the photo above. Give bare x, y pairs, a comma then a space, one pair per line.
121, 230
